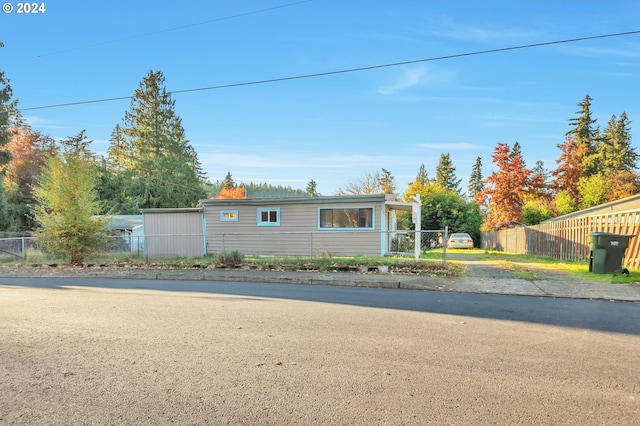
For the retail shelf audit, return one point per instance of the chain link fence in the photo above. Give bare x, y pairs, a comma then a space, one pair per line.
299, 244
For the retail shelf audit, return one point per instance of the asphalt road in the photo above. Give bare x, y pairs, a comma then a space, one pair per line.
613, 316
77, 351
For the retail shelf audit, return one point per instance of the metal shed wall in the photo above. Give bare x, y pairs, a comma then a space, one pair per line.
170, 234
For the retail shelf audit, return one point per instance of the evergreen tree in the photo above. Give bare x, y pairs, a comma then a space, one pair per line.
68, 204
228, 182
445, 174
539, 187
387, 182
312, 188
586, 134
616, 153
422, 176
119, 150
162, 168
476, 180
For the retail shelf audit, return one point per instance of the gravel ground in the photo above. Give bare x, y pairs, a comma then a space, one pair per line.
98, 356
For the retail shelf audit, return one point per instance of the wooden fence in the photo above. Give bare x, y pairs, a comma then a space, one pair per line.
568, 239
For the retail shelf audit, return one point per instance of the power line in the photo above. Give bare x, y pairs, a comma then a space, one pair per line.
166, 30
350, 70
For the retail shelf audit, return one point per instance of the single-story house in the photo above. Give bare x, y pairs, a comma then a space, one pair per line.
130, 228
291, 226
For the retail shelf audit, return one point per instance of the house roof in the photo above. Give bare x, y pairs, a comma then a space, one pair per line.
172, 210
377, 198
124, 221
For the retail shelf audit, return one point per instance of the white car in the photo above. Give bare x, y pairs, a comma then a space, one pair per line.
460, 240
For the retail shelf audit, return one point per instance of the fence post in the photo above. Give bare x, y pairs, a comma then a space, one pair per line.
416, 217
224, 249
445, 238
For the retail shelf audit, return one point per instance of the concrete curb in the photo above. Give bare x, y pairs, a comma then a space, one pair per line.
468, 284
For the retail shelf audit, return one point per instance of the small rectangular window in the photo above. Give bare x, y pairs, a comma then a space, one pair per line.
347, 218
228, 215
269, 217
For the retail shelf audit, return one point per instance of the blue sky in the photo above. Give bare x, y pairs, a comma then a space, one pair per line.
334, 128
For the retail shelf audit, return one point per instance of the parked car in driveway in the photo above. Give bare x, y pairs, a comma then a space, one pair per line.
460, 240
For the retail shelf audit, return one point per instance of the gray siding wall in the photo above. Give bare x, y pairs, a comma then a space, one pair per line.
173, 234
297, 235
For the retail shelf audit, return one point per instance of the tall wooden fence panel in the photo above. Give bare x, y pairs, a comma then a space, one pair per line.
568, 239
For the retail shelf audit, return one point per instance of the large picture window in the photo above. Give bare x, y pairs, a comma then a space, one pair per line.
269, 217
346, 218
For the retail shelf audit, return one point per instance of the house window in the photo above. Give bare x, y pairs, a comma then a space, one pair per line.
228, 215
269, 217
346, 218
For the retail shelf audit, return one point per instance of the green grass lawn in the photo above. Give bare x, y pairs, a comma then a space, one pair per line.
430, 263
523, 265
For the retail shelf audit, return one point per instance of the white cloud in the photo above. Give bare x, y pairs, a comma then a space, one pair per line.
408, 79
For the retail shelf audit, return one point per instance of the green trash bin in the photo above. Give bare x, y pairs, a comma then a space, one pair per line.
607, 251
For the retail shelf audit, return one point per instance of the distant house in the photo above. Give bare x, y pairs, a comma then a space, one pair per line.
131, 229
292, 226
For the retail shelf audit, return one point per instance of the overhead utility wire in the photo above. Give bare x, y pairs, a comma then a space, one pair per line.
166, 30
372, 67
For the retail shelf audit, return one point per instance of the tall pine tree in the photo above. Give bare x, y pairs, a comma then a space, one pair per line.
585, 133
161, 169
446, 174
422, 177
476, 180
312, 188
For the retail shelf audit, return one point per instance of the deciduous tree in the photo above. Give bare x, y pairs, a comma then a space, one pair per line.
68, 204
505, 188
569, 171
30, 150
442, 207
366, 185
231, 193
6, 106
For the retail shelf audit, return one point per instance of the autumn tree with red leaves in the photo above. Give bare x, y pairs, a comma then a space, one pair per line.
30, 151
570, 171
231, 193
505, 189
